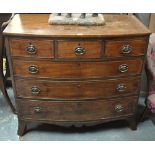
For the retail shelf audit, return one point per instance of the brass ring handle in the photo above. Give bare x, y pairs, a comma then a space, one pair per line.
33, 69
37, 109
31, 49
121, 87
126, 49
35, 90
80, 50
119, 108
123, 68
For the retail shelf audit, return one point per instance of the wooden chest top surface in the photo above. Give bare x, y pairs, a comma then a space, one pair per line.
37, 25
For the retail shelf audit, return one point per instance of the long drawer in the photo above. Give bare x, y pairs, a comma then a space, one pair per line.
69, 90
76, 111
53, 69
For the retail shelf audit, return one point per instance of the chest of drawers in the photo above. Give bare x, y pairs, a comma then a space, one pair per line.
75, 74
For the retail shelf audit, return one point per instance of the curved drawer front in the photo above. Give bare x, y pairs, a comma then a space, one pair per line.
76, 111
69, 90
32, 48
49, 69
126, 47
79, 49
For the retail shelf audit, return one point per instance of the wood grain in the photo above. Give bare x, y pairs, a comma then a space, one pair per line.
75, 111
62, 69
44, 48
37, 25
113, 47
69, 90
66, 49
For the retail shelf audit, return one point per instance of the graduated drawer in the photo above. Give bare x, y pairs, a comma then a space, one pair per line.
79, 49
38, 48
76, 111
125, 47
90, 69
90, 89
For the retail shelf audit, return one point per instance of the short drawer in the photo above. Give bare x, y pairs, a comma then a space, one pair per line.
125, 47
76, 111
79, 49
70, 90
51, 69
32, 48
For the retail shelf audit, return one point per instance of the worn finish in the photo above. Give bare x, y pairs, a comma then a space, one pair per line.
116, 48
42, 48
52, 69
80, 75
37, 25
89, 49
76, 111
70, 90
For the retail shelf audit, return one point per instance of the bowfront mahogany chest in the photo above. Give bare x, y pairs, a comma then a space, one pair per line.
75, 74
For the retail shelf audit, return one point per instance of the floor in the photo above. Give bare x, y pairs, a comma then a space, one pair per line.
113, 131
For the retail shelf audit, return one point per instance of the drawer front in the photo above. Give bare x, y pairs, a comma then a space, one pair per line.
69, 90
77, 69
76, 111
79, 49
126, 47
32, 48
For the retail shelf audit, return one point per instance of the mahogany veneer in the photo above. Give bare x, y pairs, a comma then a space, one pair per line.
75, 74
80, 69
44, 48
